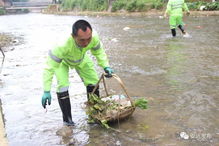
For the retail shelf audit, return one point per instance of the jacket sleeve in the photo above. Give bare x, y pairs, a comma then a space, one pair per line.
53, 61
99, 52
185, 7
168, 9
48, 74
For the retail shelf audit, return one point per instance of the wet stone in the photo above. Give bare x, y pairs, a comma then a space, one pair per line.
65, 131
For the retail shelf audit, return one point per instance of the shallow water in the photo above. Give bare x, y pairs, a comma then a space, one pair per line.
179, 77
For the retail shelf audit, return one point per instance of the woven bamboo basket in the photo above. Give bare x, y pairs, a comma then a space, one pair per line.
125, 106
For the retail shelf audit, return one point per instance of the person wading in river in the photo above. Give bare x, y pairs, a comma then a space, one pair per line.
175, 11
72, 55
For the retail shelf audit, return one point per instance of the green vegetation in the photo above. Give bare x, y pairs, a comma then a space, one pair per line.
20, 0
137, 5
91, 5
141, 103
103, 5
130, 5
2, 11
106, 109
25, 10
206, 5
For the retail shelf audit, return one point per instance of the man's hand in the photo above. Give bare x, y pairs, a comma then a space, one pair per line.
108, 71
46, 98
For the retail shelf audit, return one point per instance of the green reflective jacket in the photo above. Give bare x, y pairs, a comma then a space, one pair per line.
176, 7
72, 55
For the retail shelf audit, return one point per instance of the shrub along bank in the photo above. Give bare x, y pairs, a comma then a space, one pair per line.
130, 5
201, 5
115, 5
2, 11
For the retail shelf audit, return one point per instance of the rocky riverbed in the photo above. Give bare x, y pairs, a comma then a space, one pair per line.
7, 41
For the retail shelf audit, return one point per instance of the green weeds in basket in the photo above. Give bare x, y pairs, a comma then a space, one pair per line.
141, 103
101, 110
97, 109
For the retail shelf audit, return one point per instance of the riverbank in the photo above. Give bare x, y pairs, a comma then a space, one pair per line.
3, 138
5, 41
124, 13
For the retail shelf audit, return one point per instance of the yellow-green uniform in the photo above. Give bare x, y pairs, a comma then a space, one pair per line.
70, 56
175, 10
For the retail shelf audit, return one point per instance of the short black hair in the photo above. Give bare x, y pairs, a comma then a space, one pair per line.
80, 24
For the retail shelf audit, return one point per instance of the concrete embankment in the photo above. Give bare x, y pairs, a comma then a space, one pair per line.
5, 40
3, 138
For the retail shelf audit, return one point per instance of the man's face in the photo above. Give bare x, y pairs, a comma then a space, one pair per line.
83, 38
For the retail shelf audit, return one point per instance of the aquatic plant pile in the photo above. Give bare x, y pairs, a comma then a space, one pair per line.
108, 109
141, 103
111, 108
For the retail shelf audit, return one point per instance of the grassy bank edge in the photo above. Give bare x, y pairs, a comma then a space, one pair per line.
149, 13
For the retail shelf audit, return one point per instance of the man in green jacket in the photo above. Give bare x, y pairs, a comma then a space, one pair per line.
175, 11
72, 55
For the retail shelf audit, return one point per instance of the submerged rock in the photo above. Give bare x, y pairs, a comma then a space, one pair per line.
65, 131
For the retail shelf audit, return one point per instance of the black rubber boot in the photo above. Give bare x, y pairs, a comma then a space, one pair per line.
173, 31
90, 88
65, 105
182, 29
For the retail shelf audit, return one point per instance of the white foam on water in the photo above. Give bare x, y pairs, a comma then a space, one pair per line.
187, 35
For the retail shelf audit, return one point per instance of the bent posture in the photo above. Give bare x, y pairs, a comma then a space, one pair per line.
175, 11
72, 55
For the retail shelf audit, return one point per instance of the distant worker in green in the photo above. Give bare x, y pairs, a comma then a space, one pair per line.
73, 55
175, 10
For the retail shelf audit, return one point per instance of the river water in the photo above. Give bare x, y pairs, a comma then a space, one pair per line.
178, 76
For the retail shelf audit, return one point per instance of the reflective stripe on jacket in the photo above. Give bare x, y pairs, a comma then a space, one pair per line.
176, 7
72, 55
